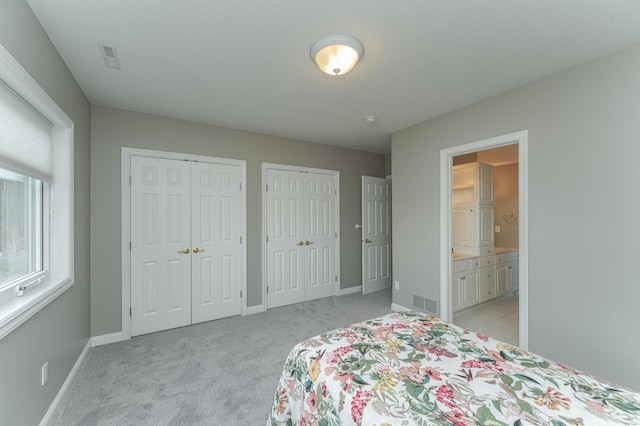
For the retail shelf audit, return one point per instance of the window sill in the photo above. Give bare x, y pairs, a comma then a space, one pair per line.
19, 309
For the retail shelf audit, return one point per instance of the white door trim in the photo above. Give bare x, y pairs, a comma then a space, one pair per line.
126, 155
446, 162
274, 166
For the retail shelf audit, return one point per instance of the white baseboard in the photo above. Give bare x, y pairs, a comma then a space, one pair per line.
65, 386
399, 308
254, 309
105, 339
350, 290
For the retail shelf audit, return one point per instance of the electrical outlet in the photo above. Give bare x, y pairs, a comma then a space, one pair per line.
45, 373
497, 228
396, 284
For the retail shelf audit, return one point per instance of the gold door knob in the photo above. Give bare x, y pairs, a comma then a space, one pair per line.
308, 242
197, 250
300, 243
185, 251
367, 241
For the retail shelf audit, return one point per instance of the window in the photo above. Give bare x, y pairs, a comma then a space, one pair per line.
36, 197
21, 236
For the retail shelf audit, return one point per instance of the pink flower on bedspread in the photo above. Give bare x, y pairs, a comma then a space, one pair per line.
311, 401
411, 373
383, 333
482, 337
444, 394
434, 374
340, 376
358, 404
456, 418
338, 353
495, 356
350, 336
474, 363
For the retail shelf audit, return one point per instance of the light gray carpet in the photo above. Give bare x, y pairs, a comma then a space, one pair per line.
222, 372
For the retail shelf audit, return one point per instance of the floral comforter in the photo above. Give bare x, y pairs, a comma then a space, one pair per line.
411, 369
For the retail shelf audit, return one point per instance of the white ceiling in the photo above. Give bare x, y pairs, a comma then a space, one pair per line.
245, 64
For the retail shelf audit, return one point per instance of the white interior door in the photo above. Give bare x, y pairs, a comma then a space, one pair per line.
216, 209
160, 249
320, 236
376, 234
285, 238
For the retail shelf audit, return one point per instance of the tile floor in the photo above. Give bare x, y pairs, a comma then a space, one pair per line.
497, 319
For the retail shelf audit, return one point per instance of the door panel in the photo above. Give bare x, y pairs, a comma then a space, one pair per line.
285, 246
160, 226
320, 236
216, 205
376, 234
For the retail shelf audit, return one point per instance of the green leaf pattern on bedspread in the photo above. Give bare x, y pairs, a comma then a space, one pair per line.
410, 369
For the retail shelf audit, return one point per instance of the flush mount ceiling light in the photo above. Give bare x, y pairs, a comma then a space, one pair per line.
336, 55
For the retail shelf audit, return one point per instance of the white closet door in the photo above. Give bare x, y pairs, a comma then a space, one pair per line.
160, 235
216, 200
376, 234
320, 238
285, 247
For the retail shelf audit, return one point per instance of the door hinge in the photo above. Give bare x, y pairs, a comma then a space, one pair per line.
267, 187
240, 186
241, 239
240, 294
335, 235
336, 278
335, 191
130, 312
267, 238
129, 245
129, 180
267, 289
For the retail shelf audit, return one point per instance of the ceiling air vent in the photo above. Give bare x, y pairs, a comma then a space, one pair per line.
110, 56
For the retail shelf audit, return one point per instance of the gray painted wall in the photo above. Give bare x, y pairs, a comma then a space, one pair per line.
58, 333
583, 149
112, 129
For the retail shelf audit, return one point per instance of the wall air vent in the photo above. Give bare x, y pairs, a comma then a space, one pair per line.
110, 56
427, 305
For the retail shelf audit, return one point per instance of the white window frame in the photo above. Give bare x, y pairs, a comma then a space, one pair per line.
57, 206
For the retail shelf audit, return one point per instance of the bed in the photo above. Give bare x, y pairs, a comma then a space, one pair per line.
407, 368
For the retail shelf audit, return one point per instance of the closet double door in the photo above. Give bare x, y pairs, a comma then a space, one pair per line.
301, 238
186, 242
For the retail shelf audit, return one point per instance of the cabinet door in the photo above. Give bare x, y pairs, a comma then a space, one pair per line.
485, 178
502, 279
463, 226
456, 300
469, 289
514, 283
485, 225
487, 292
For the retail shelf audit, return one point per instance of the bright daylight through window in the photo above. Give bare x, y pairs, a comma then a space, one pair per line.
20, 227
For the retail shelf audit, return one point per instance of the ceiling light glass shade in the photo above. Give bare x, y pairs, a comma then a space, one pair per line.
337, 55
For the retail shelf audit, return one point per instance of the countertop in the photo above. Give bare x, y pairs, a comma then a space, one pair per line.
497, 250
500, 250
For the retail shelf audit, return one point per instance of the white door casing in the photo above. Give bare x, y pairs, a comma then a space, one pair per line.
216, 210
160, 233
446, 163
376, 234
301, 234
